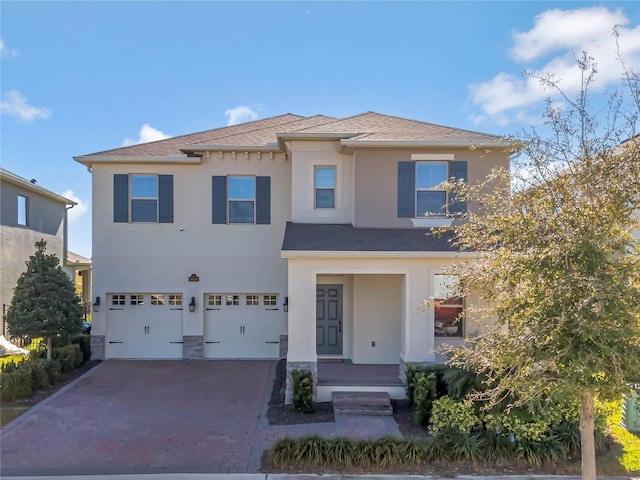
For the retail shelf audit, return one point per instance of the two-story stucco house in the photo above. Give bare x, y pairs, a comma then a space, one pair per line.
300, 236
28, 213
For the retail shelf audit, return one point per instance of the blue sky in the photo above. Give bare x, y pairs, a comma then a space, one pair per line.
81, 77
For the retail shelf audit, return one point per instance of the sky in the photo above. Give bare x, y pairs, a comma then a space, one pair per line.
81, 77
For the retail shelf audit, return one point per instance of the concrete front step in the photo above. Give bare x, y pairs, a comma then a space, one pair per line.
361, 403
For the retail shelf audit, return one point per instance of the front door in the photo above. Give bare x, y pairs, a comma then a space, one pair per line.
329, 319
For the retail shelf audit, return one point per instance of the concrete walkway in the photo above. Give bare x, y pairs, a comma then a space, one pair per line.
152, 417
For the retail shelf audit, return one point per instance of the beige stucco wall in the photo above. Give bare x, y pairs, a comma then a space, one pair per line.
46, 221
150, 258
376, 318
305, 156
376, 180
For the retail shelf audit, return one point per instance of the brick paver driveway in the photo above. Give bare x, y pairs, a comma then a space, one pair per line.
160, 416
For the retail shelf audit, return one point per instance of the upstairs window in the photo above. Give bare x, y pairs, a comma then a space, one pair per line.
431, 199
144, 198
23, 210
242, 199
419, 191
325, 187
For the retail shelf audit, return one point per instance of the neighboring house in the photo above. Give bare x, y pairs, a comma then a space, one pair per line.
28, 213
79, 270
303, 237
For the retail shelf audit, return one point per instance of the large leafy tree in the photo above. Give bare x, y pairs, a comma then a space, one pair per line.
44, 302
559, 266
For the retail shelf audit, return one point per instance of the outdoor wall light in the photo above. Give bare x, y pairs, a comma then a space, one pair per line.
192, 304
285, 305
96, 305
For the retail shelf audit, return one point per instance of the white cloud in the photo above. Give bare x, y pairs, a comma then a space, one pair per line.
551, 46
78, 210
15, 104
147, 134
5, 51
240, 114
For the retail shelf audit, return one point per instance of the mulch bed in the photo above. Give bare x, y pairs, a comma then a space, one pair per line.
281, 414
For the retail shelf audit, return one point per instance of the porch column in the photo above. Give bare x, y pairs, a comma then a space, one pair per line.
302, 322
418, 339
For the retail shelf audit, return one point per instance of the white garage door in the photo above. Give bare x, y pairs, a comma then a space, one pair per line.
144, 325
239, 325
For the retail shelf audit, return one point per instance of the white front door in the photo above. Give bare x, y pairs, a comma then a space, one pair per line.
144, 326
242, 325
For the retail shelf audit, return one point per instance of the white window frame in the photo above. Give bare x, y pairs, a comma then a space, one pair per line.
175, 299
252, 299
445, 330
334, 189
23, 210
231, 199
132, 198
118, 299
232, 300
432, 189
136, 299
157, 299
214, 300
270, 299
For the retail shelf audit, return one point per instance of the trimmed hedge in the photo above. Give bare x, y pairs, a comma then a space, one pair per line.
302, 391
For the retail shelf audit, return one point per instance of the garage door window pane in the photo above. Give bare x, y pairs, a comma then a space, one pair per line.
233, 299
175, 300
137, 300
270, 300
253, 300
118, 299
214, 300
157, 299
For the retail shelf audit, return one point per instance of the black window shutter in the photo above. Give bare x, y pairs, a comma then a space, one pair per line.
457, 170
165, 198
263, 200
219, 199
406, 189
120, 198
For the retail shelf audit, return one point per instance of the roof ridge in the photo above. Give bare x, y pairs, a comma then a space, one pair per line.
433, 124
260, 129
300, 117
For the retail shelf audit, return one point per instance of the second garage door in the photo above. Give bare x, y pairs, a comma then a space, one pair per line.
238, 325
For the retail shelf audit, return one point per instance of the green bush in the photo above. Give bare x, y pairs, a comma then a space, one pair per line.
70, 357
424, 393
302, 391
15, 381
39, 375
54, 370
436, 369
450, 417
84, 342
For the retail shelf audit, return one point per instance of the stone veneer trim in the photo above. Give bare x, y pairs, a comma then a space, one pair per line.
192, 347
97, 347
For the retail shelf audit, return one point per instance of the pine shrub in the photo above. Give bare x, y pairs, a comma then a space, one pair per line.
39, 375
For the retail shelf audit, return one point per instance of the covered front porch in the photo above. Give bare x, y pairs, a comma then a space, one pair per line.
356, 315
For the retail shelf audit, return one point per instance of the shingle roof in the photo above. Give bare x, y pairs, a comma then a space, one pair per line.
346, 238
73, 257
365, 127
371, 126
170, 145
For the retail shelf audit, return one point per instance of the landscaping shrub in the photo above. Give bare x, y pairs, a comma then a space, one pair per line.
341, 451
15, 381
39, 375
437, 370
84, 342
54, 370
70, 357
424, 393
450, 417
302, 391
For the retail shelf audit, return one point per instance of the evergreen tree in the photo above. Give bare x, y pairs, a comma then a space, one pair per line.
44, 301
